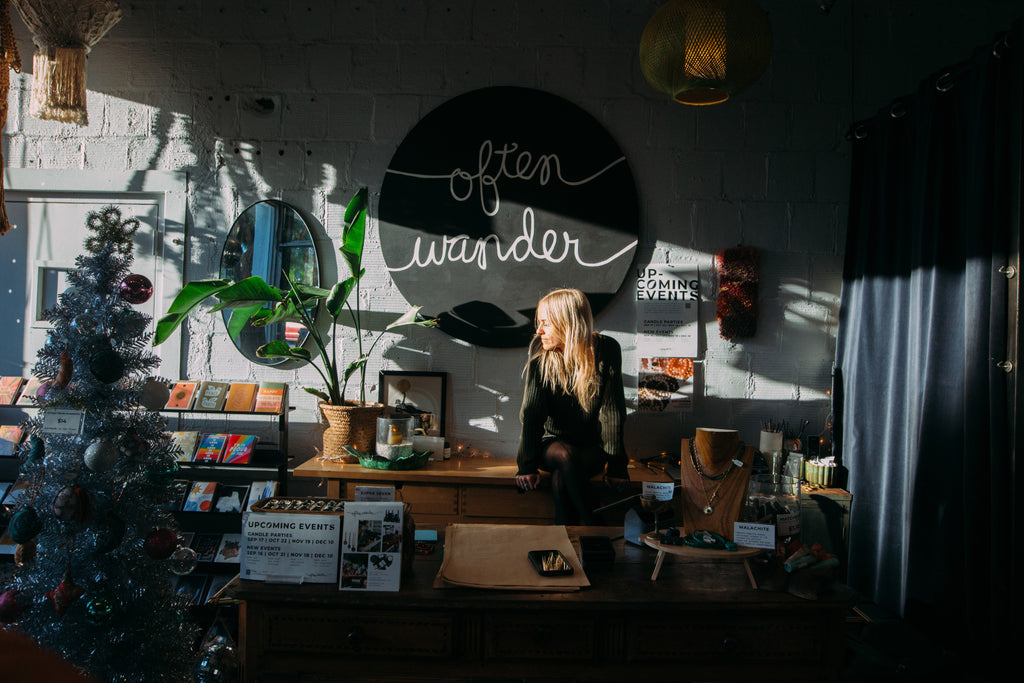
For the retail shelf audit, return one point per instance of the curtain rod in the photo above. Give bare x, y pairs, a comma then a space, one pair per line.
944, 82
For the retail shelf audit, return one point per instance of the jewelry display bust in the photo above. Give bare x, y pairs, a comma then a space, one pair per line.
715, 470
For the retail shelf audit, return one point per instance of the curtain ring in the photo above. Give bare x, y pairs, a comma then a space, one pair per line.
898, 110
944, 83
856, 131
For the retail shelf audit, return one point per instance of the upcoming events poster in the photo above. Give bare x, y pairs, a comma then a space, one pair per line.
668, 297
289, 548
371, 546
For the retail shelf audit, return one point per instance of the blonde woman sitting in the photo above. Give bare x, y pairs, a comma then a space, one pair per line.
573, 406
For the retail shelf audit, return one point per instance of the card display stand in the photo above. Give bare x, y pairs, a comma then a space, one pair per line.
215, 535
269, 462
12, 414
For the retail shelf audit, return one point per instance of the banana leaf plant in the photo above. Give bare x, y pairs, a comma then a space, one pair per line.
253, 300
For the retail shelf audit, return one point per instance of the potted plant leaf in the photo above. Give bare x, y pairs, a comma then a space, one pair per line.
255, 301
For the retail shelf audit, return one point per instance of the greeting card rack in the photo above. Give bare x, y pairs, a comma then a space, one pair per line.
214, 529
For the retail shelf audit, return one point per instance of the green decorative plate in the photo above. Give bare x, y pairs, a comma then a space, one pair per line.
373, 461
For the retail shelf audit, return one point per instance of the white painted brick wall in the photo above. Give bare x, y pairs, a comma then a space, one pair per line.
187, 85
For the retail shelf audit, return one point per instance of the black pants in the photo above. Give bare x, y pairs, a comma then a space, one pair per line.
571, 469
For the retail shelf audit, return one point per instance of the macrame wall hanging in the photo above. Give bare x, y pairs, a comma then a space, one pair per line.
9, 59
737, 292
63, 32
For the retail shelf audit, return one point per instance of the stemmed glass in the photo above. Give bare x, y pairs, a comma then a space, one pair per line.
655, 506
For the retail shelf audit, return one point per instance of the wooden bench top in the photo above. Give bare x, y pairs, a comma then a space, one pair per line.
484, 471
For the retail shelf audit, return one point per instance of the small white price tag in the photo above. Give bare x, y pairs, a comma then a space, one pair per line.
56, 421
754, 535
789, 523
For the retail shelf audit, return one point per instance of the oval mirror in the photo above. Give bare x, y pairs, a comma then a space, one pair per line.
268, 239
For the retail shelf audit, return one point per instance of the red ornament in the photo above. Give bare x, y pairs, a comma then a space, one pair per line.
160, 543
64, 595
71, 504
10, 607
136, 289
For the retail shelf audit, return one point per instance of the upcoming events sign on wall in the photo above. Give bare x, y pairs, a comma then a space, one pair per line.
498, 196
667, 298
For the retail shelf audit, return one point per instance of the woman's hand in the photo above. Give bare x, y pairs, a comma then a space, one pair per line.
527, 482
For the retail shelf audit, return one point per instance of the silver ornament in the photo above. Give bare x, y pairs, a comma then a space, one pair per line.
100, 455
183, 561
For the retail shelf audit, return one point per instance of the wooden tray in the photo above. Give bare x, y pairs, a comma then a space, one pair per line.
306, 505
687, 553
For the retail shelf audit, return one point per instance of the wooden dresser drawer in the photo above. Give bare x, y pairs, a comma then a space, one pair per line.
538, 635
707, 638
363, 633
505, 501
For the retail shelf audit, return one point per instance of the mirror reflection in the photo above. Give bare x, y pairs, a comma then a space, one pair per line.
269, 239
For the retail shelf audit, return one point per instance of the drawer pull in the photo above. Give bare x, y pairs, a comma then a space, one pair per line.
729, 644
542, 635
356, 638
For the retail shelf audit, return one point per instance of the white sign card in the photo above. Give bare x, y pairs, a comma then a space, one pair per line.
371, 546
290, 548
58, 421
753, 535
659, 490
375, 493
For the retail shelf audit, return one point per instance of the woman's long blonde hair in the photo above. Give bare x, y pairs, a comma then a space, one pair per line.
571, 369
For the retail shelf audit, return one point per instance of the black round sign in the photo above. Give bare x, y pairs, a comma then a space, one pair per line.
498, 196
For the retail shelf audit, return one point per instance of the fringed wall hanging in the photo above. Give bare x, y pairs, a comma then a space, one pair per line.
63, 32
9, 59
737, 292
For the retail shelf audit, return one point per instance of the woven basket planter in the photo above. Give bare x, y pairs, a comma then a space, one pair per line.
350, 424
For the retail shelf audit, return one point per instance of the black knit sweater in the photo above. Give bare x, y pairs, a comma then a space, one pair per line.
548, 412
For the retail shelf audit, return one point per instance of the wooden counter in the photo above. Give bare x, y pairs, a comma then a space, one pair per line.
463, 489
696, 622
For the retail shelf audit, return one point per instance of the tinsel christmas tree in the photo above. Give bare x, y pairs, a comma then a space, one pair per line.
95, 553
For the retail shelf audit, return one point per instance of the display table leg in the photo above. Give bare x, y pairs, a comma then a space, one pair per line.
750, 573
657, 565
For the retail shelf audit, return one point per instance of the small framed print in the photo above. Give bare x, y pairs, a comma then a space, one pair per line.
421, 394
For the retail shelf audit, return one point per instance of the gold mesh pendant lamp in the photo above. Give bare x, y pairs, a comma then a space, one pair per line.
704, 51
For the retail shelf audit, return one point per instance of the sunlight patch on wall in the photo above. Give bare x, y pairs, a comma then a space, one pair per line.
488, 424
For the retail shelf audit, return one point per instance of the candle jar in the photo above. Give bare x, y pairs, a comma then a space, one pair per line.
394, 437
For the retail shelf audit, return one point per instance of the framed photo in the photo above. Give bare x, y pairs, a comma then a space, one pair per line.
421, 394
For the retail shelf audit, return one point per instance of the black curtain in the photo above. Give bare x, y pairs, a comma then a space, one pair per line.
935, 201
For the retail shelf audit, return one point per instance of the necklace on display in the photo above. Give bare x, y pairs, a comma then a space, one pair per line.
736, 461
720, 478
